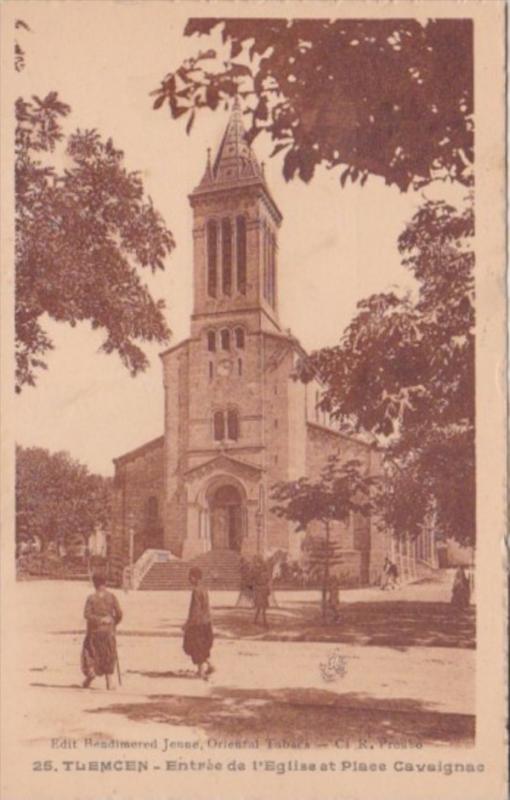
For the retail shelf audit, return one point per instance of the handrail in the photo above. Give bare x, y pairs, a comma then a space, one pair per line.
145, 562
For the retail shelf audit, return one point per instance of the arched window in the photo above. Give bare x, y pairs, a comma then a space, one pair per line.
211, 370
240, 366
226, 425
211, 341
226, 241
219, 426
239, 334
232, 424
212, 257
241, 254
225, 339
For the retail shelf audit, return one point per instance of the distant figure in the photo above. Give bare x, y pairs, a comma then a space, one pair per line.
393, 575
245, 599
99, 652
261, 590
198, 632
385, 573
461, 591
390, 575
333, 600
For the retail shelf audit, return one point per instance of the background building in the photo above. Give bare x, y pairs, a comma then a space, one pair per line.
235, 420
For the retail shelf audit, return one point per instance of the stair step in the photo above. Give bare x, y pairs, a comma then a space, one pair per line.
221, 569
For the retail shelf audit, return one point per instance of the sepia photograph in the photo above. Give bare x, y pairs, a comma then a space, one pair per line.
254, 400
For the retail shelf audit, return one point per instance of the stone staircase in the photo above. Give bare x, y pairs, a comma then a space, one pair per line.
221, 570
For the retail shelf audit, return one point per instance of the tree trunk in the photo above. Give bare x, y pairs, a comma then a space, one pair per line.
325, 578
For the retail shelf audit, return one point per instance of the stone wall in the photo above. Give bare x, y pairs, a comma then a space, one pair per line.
176, 379
359, 534
277, 362
138, 504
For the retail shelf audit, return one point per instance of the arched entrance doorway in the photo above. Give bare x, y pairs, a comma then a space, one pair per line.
226, 508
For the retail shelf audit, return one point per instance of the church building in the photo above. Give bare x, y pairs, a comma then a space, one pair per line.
235, 420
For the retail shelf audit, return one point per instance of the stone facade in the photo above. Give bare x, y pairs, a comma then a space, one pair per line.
235, 420
138, 501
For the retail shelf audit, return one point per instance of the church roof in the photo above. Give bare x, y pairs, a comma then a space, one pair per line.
235, 164
221, 461
154, 444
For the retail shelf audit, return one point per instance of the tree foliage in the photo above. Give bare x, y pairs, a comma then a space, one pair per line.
404, 370
57, 497
340, 490
81, 234
392, 98
19, 52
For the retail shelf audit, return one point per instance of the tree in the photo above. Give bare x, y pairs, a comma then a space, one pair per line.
81, 234
57, 497
392, 97
404, 370
340, 490
321, 553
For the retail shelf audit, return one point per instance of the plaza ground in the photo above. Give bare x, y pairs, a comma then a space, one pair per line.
396, 667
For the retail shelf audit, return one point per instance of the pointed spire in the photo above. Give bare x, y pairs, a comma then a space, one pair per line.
235, 162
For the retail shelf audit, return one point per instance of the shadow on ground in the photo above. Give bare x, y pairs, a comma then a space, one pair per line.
396, 624
58, 686
310, 717
180, 673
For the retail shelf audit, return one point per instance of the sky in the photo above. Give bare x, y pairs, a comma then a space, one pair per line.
337, 245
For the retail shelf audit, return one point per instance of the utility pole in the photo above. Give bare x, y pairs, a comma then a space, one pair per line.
131, 537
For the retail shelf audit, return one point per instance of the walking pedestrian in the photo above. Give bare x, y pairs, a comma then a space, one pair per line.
393, 575
198, 632
385, 578
261, 590
99, 651
461, 591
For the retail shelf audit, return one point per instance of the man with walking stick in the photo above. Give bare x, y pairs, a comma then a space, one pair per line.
99, 652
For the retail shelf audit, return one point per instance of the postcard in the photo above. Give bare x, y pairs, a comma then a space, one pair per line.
253, 400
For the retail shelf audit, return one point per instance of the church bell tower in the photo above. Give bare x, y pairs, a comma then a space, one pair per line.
235, 236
